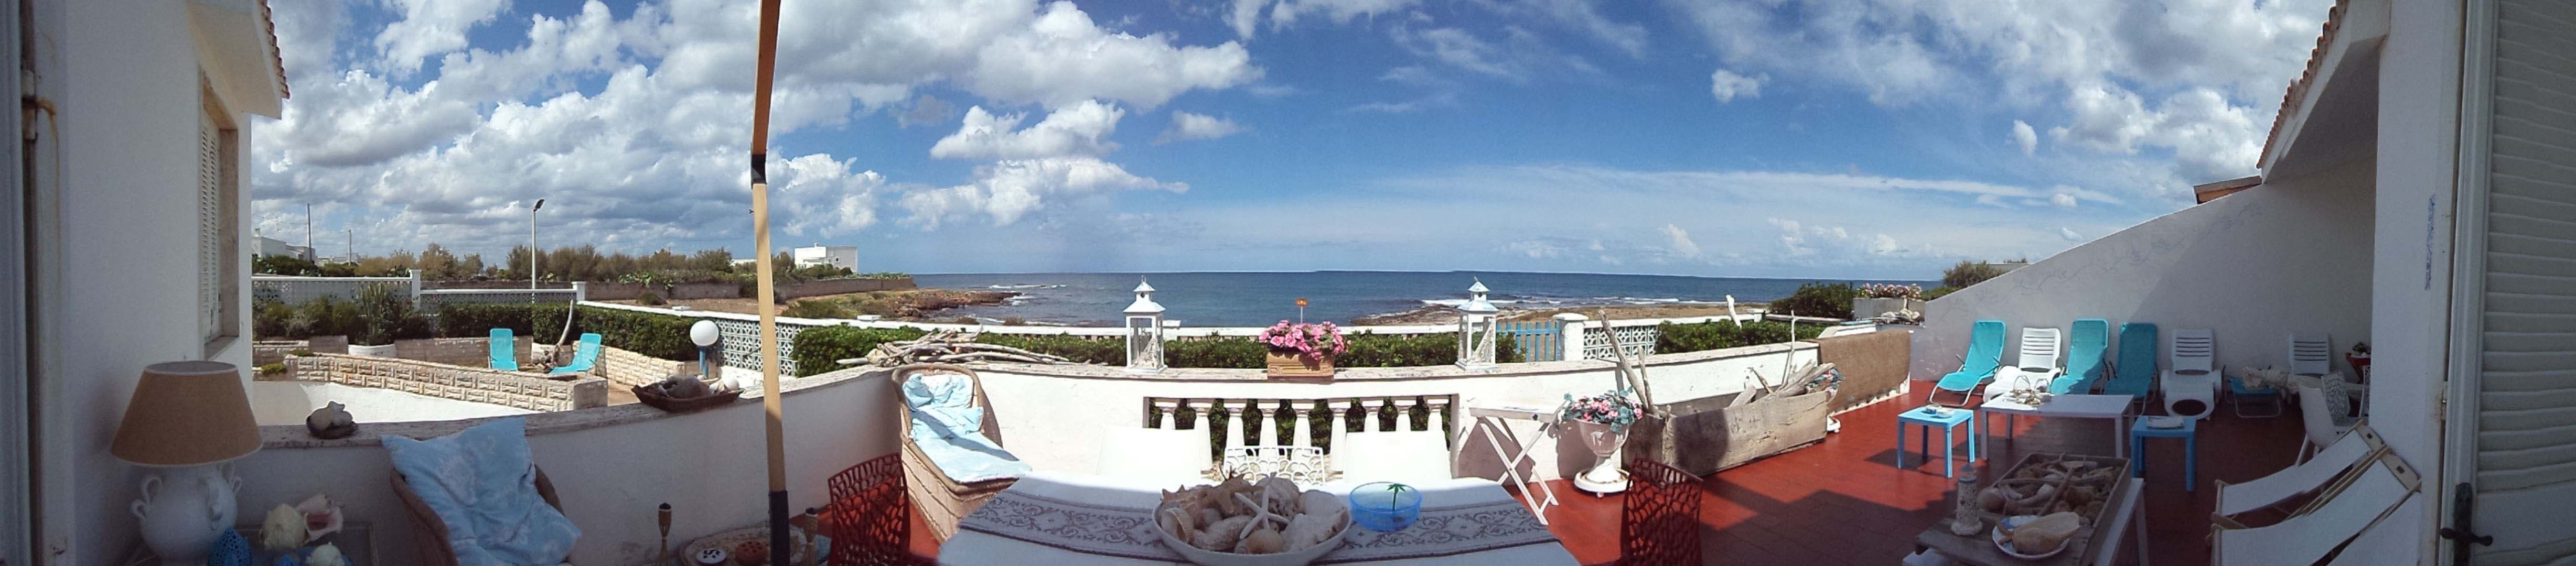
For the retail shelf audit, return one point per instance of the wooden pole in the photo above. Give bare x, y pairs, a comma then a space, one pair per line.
766, 289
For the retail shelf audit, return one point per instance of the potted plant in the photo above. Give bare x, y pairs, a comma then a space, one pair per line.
1302, 350
2359, 358
1602, 422
384, 314
1873, 299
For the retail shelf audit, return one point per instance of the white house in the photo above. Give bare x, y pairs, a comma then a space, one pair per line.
268, 246
845, 257
137, 249
2418, 192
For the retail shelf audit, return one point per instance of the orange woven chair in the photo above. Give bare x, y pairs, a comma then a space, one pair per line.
1659, 516
870, 518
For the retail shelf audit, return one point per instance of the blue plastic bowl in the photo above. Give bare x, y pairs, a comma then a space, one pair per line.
1381, 509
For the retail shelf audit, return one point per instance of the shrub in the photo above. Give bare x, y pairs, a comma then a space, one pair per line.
1968, 273
1938, 292
1829, 300
1676, 338
650, 298
323, 316
1215, 352
272, 320
815, 308
817, 349
1079, 349
388, 316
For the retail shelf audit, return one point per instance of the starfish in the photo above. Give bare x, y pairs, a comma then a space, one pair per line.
1261, 514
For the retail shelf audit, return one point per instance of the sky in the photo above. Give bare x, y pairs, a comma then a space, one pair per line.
1762, 138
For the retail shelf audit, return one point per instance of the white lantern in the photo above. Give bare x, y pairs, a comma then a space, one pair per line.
1479, 324
1144, 331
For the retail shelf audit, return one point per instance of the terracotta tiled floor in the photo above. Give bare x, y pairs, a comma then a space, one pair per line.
1844, 501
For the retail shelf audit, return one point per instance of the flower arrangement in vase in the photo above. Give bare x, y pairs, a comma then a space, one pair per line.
1301, 349
1602, 422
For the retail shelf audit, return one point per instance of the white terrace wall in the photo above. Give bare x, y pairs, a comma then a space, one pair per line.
2288, 256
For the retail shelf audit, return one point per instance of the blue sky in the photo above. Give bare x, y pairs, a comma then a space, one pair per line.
1861, 138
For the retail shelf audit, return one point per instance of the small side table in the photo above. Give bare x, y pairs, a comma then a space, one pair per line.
1496, 417
2139, 432
1949, 420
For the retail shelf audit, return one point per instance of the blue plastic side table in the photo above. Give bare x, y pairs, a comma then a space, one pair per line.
2139, 432
1949, 423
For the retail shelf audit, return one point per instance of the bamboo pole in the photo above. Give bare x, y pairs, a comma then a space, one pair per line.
767, 291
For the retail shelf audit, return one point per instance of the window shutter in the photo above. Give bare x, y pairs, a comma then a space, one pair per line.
210, 228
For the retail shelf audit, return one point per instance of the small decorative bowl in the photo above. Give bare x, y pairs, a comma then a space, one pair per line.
1385, 506
2005, 544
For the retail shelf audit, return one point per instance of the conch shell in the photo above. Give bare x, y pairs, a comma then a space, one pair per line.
1221, 535
1180, 524
2044, 533
1311, 529
1262, 541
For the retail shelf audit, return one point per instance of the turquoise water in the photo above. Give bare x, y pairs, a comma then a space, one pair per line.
1256, 299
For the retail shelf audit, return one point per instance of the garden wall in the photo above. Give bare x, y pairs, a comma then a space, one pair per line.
471, 352
480, 385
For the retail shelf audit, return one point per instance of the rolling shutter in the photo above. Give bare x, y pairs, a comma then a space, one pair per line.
210, 228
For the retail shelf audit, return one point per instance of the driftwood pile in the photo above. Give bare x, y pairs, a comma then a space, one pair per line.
949, 347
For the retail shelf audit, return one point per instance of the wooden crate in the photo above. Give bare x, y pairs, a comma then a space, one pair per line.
1705, 435
1980, 549
1289, 364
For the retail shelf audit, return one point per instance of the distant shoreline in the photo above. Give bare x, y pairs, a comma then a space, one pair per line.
1441, 314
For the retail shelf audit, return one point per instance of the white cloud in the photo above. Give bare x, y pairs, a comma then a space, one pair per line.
1080, 129
1008, 190
2069, 234
2062, 200
429, 28
1726, 85
1517, 56
825, 197
2023, 136
1285, 13
1064, 58
1196, 126
1678, 241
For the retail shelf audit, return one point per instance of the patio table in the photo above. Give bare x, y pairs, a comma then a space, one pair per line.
2114, 407
974, 546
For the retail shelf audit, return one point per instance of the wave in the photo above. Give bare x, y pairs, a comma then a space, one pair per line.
1026, 286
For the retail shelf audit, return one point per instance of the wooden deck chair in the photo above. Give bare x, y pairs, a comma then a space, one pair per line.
1976, 367
941, 500
431, 538
2379, 487
2331, 463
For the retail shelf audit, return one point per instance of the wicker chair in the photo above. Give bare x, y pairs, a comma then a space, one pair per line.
940, 500
1659, 516
432, 535
869, 520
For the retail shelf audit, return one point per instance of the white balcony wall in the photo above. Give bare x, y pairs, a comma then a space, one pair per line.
289, 402
611, 466
2291, 255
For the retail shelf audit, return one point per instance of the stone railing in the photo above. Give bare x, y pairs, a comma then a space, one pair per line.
1247, 452
480, 385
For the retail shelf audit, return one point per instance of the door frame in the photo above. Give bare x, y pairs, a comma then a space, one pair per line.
17, 494
2459, 431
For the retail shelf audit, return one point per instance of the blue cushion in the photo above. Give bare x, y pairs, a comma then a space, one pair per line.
948, 428
482, 484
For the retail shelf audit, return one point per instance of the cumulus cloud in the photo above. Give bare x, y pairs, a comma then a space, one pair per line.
1010, 189
429, 28
2025, 137
1678, 241
1516, 54
1080, 129
1196, 126
1726, 85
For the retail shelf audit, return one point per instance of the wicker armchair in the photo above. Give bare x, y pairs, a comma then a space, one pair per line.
1659, 516
941, 500
432, 535
869, 519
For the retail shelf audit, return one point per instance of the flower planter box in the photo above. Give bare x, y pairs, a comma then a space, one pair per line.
1709, 434
1871, 308
1290, 364
385, 351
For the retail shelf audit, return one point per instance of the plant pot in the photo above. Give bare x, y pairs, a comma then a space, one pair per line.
385, 351
1288, 363
1605, 442
1864, 307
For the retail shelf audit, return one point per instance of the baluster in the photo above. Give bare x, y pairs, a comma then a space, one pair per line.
1305, 433
1233, 424
1198, 416
1403, 413
1265, 432
1337, 424
1376, 413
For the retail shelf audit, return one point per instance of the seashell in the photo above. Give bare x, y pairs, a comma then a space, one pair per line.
1276, 491
326, 555
2044, 533
1311, 529
1993, 499
1222, 534
1262, 541
1177, 522
1324, 504
282, 529
1209, 516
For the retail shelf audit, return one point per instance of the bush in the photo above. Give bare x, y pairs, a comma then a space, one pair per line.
1676, 338
1938, 292
1214, 352
818, 349
323, 316
815, 308
271, 320
1079, 349
1829, 300
388, 316
1967, 273
650, 298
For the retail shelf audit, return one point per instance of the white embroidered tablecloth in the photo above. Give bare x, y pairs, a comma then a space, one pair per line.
1065, 520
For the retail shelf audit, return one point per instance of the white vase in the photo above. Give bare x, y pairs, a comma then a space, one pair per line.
1605, 442
182, 511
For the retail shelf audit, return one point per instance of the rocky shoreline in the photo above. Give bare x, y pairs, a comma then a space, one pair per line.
1441, 314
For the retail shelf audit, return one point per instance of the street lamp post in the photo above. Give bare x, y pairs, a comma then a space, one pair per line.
532, 249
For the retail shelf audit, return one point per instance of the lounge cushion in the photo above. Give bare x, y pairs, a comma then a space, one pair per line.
948, 429
482, 484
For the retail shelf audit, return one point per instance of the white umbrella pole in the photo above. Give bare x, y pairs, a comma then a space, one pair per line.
769, 401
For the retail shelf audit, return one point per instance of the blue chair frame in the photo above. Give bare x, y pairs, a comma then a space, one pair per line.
505, 354
1977, 367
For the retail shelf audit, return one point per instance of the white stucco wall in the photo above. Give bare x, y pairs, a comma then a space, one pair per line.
288, 402
612, 465
2292, 255
2411, 283
115, 218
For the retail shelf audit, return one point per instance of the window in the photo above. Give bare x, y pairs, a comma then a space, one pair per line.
218, 220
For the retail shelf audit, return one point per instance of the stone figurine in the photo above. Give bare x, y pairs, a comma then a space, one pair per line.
331, 421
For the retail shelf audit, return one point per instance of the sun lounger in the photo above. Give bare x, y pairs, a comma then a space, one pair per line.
1985, 351
584, 355
2037, 366
2086, 349
504, 355
2298, 479
2135, 374
2359, 500
2190, 383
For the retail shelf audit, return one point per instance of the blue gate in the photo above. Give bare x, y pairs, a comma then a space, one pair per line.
1537, 340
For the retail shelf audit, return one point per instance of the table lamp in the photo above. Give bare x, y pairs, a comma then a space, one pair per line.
186, 418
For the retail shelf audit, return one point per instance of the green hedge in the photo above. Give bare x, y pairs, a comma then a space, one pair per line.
652, 334
1214, 352
1829, 300
1675, 338
817, 349
1079, 349
1366, 350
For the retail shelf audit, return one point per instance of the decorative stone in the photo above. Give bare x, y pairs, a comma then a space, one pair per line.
331, 421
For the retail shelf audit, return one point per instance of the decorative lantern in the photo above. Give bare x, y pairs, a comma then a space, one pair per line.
1144, 331
1479, 324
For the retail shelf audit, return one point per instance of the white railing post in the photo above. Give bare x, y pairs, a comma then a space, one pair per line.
1198, 417
580, 291
415, 288
1305, 433
1233, 424
1570, 329
1337, 426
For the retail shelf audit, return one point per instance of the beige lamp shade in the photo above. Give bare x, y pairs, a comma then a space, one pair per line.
187, 414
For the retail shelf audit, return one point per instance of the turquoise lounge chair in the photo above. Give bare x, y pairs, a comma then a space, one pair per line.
504, 355
583, 356
2084, 356
2135, 375
1985, 352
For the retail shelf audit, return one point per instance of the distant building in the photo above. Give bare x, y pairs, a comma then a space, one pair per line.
272, 246
846, 257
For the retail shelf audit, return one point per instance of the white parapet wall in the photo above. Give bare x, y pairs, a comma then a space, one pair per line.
2288, 256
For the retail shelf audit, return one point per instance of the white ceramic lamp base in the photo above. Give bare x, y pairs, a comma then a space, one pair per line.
183, 509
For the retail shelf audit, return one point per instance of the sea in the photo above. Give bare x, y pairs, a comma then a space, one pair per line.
1262, 298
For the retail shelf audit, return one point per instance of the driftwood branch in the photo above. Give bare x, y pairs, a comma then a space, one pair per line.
1631, 372
950, 346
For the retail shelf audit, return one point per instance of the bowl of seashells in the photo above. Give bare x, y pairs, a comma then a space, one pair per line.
1251, 523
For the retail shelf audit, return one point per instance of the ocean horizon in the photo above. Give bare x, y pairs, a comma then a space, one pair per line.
1259, 298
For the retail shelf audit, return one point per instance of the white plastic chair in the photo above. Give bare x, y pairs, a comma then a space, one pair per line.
2040, 350
1162, 456
2322, 430
1403, 456
2192, 373
2354, 505
2301, 478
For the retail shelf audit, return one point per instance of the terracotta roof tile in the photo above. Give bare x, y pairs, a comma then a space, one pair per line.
276, 61
2316, 59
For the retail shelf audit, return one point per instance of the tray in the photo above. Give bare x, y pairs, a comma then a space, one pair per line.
1980, 549
649, 395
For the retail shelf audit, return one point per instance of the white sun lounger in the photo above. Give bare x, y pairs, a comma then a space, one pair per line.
2382, 541
2037, 366
2298, 479
2347, 509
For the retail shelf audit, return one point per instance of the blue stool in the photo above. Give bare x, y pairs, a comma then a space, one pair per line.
1949, 423
2139, 432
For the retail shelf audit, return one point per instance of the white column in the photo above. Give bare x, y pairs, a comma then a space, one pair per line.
1305, 434
1339, 426
1233, 424
1198, 417
1571, 327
